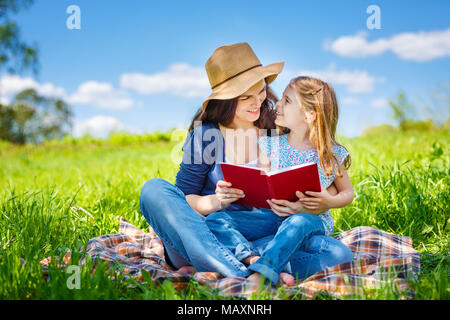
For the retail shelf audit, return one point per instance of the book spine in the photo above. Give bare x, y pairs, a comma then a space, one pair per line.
271, 190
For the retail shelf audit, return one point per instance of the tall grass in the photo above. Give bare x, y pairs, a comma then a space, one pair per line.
401, 183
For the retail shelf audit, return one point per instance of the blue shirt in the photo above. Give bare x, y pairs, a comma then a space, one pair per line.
199, 170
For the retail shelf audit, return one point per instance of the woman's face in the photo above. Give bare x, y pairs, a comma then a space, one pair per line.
249, 104
290, 113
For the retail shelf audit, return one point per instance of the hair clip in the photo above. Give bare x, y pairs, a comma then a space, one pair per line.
316, 91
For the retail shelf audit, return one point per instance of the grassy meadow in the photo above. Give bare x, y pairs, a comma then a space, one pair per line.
401, 181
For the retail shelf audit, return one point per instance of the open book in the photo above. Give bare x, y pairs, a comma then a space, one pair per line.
259, 185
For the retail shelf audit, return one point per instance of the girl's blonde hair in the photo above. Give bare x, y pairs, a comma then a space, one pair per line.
318, 96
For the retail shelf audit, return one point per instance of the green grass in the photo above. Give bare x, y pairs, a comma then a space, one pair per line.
401, 183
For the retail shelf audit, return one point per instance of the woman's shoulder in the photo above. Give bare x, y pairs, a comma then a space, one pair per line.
202, 136
205, 132
200, 127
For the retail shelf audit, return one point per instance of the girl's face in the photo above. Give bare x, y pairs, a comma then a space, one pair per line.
290, 112
249, 103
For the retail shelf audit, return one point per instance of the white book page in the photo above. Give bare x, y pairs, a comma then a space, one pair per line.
261, 170
270, 173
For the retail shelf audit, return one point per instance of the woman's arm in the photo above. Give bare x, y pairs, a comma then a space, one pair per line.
203, 204
194, 170
223, 197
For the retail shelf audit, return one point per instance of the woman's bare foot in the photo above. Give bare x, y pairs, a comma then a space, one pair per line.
187, 269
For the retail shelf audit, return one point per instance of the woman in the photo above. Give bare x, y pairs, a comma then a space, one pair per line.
240, 104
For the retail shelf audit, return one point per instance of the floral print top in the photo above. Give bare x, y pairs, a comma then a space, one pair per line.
282, 155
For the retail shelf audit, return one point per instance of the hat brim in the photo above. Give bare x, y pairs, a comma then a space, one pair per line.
235, 87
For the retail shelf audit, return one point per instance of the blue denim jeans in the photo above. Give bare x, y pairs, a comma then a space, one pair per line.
183, 231
296, 244
316, 254
188, 240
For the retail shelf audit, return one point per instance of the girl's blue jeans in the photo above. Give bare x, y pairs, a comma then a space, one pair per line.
188, 239
283, 243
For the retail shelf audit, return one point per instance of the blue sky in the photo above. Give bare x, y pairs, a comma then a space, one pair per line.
139, 65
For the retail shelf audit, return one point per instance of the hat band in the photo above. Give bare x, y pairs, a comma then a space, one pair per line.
239, 73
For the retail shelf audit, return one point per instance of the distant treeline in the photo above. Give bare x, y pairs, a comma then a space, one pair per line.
32, 118
119, 139
408, 126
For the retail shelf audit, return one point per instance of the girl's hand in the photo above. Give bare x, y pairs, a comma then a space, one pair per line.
225, 195
317, 200
284, 208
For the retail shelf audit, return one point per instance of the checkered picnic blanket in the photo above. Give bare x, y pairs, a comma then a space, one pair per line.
379, 258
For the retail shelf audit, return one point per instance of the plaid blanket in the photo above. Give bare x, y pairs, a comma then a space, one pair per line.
380, 258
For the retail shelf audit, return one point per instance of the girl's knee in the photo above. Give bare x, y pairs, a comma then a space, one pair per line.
300, 221
295, 220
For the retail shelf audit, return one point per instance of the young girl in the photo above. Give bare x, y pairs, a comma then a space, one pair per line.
308, 111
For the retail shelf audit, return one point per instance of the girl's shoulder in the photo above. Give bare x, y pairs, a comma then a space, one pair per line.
269, 143
340, 152
272, 138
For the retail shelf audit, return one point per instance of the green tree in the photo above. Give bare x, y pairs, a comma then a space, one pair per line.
403, 111
30, 117
15, 55
34, 118
438, 103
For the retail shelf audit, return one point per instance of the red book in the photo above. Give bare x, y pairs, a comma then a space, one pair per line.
259, 185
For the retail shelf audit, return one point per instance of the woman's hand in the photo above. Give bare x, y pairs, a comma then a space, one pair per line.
322, 200
285, 208
225, 195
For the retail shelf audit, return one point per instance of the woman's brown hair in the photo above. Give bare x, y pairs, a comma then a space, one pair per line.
222, 111
318, 96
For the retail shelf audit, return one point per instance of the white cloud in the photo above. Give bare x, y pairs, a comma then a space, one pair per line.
380, 103
418, 46
356, 81
349, 100
180, 79
102, 95
10, 85
99, 126
4, 100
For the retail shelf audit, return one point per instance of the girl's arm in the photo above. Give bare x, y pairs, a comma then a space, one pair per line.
323, 199
345, 191
314, 205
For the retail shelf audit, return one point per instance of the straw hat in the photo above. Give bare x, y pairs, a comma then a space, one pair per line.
233, 69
